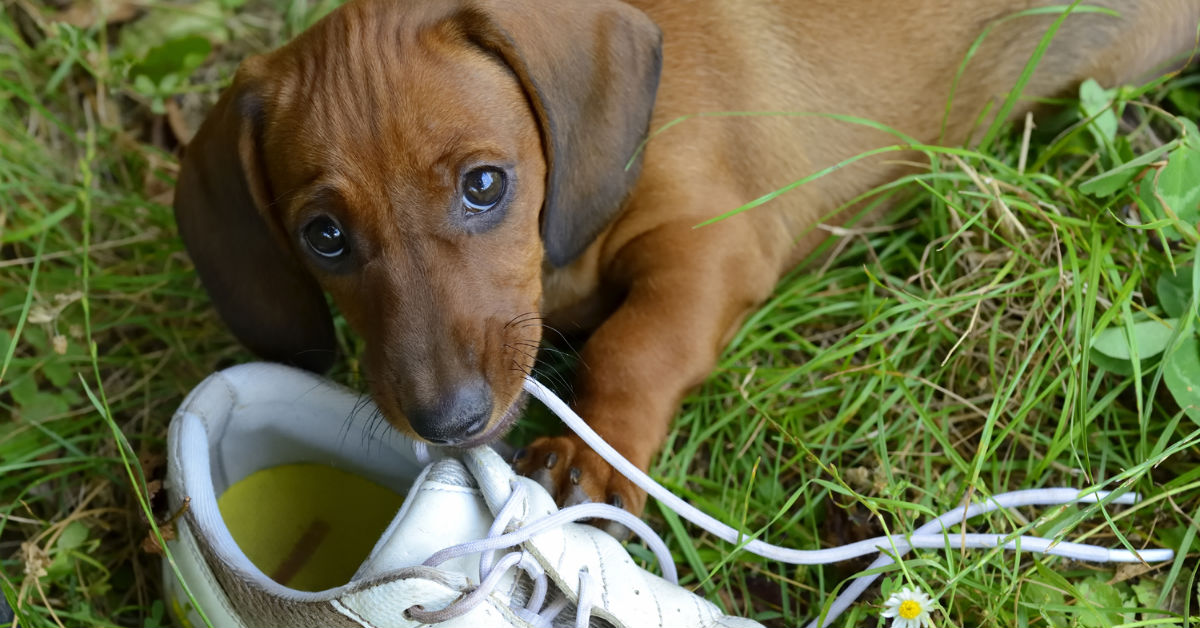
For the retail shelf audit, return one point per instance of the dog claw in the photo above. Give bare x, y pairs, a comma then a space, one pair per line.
617, 531
574, 474
575, 497
545, 478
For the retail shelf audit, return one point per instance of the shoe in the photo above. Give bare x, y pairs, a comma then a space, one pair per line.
298, 506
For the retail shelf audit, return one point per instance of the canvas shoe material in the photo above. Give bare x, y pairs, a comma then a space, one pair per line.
463, 521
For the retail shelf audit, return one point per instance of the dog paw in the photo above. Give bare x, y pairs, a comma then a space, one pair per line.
575, 474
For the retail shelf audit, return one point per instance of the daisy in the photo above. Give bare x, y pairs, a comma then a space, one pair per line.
910, 608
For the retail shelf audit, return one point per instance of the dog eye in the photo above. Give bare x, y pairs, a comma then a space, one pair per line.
482, 189
324, 236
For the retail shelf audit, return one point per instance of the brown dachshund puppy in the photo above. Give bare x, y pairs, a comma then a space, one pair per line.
453, 171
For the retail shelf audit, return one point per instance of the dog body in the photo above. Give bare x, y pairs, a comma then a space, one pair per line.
359, 160
687, 290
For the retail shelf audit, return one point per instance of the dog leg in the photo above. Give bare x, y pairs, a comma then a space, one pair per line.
687, 292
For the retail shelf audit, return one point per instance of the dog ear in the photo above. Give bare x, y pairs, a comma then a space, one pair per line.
590, 69
222, 201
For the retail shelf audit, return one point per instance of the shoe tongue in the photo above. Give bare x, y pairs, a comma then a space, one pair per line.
443, 508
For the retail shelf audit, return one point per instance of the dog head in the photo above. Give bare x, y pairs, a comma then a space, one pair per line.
419, 161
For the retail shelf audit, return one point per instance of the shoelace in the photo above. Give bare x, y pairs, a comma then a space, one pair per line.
933, 535
535, 611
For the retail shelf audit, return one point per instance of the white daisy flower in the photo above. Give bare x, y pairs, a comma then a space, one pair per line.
910, 608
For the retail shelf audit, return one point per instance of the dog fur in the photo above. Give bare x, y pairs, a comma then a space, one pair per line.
373, 115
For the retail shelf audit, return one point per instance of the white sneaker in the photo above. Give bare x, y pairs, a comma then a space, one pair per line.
277, 471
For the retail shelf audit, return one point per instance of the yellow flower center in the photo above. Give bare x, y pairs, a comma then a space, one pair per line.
909, 609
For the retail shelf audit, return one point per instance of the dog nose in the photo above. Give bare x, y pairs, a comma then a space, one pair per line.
459, 414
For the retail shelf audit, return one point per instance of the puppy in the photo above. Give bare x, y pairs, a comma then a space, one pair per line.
459, 173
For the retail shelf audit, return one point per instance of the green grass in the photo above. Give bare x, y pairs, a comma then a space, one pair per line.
942, 357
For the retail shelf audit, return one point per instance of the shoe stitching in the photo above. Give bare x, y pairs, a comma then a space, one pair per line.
699, 609
657, 605
603, 572
450, 488
350, 613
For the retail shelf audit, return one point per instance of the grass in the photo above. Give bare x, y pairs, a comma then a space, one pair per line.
944, 355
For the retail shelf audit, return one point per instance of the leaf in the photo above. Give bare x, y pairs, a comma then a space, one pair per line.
1097, 105
59, 372
1146, 590
889, 585
1100, 604
1174, 291
1182, 538
1186, 100
1117, 179
1175, 185
1195, 279
171, 81
1150, 337
164, 64
164, 23
144, 84
1041, 596
1124, 149
1113, 365
72, 537
156, 616
1191, 131
1182, 377
17, 441
44, 405
1179, 183
24, 391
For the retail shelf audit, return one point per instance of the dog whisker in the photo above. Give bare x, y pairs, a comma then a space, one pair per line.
542, 347
523, 318
532, 356
561, 337
520, 368
363, 400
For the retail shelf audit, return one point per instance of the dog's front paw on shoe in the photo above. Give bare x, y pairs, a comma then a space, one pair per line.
575, 474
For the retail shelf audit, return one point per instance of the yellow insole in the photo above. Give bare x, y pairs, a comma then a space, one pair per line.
307, 526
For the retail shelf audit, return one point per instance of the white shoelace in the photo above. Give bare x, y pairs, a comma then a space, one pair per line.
535, 611
933, 535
